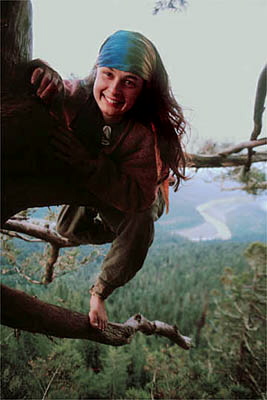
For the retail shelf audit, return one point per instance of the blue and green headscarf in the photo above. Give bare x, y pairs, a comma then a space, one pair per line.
130, 52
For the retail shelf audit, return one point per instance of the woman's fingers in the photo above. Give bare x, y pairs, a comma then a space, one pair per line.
46, 80
37, 73
97, 313
48, 83
104, 324
49, 91
94, 319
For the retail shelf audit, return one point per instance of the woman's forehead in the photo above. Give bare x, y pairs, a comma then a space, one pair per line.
121, 73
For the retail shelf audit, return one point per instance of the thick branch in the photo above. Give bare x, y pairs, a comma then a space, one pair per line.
216, 161
43, 232
21, 311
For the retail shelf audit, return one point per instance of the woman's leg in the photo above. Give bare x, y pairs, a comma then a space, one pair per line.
81, 224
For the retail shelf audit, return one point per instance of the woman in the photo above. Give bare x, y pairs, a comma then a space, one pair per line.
124, 131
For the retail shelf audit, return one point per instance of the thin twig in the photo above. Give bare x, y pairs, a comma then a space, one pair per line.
153, 384
50, 383
244, 145
29, 279
18, 236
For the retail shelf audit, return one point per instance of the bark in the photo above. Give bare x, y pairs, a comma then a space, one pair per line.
22, 311
16, 36
52, 259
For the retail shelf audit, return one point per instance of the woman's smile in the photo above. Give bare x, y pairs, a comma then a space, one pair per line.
114, 102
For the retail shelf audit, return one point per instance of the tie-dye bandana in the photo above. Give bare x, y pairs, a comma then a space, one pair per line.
129, 52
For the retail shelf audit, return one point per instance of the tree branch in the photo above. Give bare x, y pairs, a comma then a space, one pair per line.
258, 113
244, 145
18, 236
217, 161
44, 232
28, 278
52, 259
50, 383
25, 312
259, 104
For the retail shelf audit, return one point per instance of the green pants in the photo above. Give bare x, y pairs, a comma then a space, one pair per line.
131, 235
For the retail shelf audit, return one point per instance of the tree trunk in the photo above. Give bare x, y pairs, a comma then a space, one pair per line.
31, 174
16, 35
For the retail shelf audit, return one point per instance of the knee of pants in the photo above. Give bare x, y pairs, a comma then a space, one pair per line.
61, 229
70, 220
140, 226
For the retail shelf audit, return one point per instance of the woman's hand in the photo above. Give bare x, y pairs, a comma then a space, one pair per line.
97, 314
48, 84
71, 150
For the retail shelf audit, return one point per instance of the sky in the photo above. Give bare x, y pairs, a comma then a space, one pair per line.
213, 52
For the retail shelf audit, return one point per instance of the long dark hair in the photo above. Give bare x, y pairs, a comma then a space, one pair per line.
158, 106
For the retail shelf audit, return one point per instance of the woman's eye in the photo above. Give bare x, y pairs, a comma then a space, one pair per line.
129, 83
108, 74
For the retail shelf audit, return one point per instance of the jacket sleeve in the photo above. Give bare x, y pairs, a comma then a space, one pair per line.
127, 180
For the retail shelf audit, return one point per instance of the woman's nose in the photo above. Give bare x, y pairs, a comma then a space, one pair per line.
115, 87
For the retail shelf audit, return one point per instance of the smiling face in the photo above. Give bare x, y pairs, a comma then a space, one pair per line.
116, 92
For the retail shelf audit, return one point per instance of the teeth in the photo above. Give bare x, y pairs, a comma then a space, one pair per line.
111, 101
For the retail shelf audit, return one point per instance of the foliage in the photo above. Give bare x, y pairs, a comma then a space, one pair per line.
173, 5
180, 283
251, 179
32, 265
238, 329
